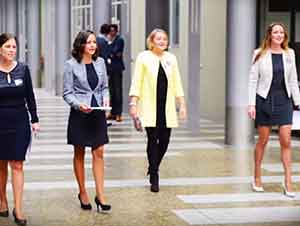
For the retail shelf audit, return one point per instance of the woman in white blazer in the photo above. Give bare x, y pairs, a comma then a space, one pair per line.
272, 86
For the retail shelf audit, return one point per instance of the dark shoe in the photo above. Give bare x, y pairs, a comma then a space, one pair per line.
119, 118
84, 206
111, 117
4, 213
19, 222
154, 181
103, 207
154, 188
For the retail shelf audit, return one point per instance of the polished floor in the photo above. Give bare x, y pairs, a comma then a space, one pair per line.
203, 182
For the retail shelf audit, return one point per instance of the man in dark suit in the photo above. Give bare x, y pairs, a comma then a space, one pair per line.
115, 68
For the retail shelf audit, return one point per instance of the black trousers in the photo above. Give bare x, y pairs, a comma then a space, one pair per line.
157, 145
116, 92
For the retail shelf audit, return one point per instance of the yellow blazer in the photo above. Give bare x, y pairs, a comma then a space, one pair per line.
144, 84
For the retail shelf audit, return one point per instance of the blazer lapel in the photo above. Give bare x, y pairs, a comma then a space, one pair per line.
98, 74
85, 76
269, 63
285, 67
167, 65
154, 65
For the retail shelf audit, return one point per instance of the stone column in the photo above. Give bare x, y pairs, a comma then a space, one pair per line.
63, 43
241, 37
33, 39
11, 16
101, 13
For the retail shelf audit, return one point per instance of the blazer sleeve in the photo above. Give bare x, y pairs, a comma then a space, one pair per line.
177, 81
293, 82
68, 87
253, 79
117, 48
104, 86
137, 78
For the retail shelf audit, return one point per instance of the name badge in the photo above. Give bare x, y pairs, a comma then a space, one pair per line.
19, 82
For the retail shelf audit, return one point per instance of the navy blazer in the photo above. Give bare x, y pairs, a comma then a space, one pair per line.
102, 44
116, 49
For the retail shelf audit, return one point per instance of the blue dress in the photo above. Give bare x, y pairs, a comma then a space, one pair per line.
277, 108
88, 129
16, 100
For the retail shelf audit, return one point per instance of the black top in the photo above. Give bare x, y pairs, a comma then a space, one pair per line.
93, 81
278, 84
161, 97
18, 91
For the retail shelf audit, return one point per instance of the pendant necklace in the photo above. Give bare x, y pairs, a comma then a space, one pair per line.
8, 78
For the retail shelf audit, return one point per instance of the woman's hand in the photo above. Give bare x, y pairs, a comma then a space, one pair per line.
182, 112
35, 127
84, 108
133, 111
251, 112
106, 102
133, 106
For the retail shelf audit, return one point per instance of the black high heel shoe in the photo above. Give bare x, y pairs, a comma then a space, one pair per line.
104, 207
4, 213
84, 206
19, 222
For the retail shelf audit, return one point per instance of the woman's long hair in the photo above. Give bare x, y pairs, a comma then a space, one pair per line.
266, 43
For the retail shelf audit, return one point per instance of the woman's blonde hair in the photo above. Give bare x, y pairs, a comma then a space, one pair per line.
150, 43
266, 43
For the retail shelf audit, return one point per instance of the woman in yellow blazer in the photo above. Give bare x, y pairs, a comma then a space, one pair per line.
155, 89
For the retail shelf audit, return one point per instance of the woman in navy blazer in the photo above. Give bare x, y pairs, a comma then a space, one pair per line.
272, 86
86, 86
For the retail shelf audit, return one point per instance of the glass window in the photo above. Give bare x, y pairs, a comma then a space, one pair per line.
81, 16
116, 11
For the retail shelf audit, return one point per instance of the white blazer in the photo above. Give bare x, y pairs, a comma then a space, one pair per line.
261, 75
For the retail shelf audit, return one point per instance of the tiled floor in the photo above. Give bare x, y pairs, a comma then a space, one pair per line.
203, 182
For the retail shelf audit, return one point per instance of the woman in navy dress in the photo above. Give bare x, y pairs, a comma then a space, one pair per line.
86, 86
16, 100
273, 85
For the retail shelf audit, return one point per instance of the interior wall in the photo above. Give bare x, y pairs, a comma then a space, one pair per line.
213, 55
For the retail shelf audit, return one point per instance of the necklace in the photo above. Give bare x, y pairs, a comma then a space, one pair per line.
8, 72
8, 78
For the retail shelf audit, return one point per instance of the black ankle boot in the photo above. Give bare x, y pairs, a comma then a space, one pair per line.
154, 181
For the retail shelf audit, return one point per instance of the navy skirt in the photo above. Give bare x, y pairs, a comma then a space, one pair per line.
275, 110
87, 129
15, 133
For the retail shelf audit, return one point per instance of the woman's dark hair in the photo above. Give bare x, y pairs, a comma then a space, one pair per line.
4, 37
79, 45
104, 29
